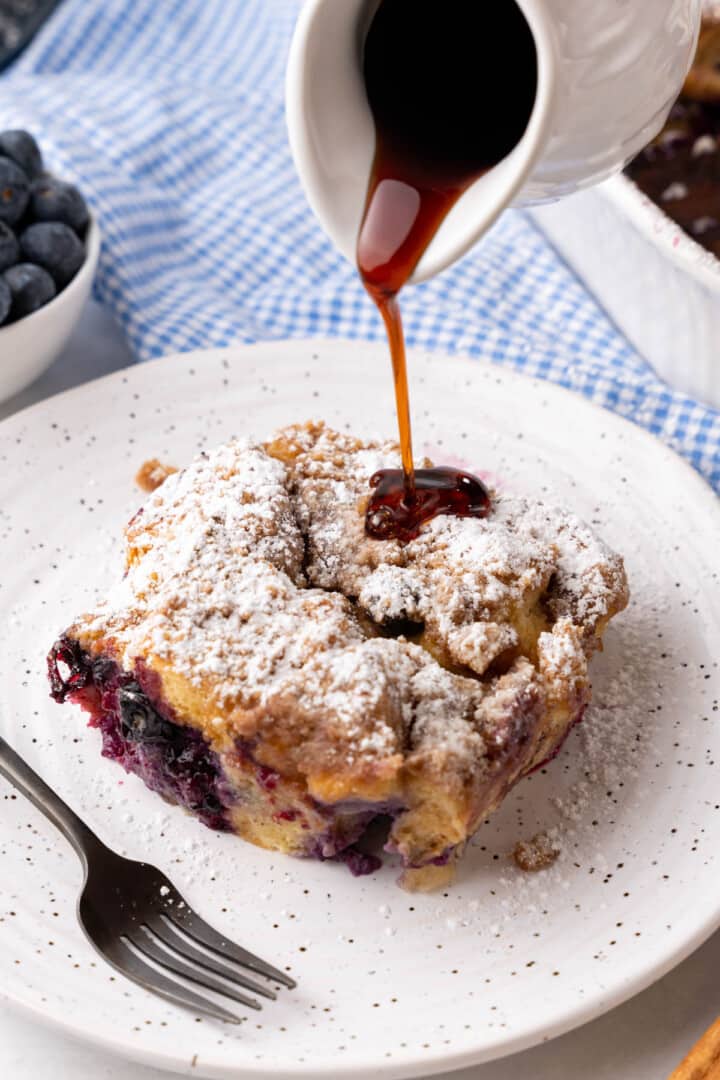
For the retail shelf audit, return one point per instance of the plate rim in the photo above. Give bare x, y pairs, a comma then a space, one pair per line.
437, 1061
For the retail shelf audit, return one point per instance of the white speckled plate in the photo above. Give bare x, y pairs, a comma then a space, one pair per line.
389, 985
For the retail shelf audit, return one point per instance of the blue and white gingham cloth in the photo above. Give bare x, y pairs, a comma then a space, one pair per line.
169, 115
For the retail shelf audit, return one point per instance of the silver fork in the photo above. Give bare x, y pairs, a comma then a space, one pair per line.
132, 913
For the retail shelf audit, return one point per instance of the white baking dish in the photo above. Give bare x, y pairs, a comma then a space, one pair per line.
659, 286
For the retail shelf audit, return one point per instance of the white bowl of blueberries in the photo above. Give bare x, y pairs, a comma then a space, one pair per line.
49, 247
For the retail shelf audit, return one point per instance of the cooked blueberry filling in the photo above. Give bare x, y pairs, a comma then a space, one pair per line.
69, 669
173, 760
140, 733
140, 722
347, 821
359, 863
176, 761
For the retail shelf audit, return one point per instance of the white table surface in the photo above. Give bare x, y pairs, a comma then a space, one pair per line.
642, 1040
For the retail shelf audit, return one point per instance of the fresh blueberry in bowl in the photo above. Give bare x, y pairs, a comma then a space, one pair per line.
21, 147
55, 247
14, 191
9, 248
30, 287
44, 223
49, 246
5, 300
56, 200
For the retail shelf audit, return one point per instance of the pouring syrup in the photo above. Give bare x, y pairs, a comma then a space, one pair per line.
451, 86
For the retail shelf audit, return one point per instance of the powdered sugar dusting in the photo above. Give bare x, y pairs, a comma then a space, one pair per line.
252, 591
466, 581
610, 759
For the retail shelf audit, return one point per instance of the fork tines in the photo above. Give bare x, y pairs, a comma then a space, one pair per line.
169, 940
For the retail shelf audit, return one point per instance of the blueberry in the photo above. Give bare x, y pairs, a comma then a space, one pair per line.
24, 151
140, 722
210, 802
5, 301
55, 247
9, 247
31, 288
54, 200
14, 191
103, 671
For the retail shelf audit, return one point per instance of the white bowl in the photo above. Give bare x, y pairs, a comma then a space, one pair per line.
28, 347
658, 284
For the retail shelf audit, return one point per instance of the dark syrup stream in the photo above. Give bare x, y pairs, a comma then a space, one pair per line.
451, 87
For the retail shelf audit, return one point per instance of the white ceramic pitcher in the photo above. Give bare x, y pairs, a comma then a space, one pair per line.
608, 74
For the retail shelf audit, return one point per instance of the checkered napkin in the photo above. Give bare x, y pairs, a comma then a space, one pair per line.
169, 114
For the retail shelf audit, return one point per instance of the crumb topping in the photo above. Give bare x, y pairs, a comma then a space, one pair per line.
152, 474
537, 854
253, 592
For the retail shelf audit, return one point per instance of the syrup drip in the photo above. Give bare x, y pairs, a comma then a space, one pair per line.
392, 515
430, 77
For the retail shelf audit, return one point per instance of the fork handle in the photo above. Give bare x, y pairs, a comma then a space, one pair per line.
19, 773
